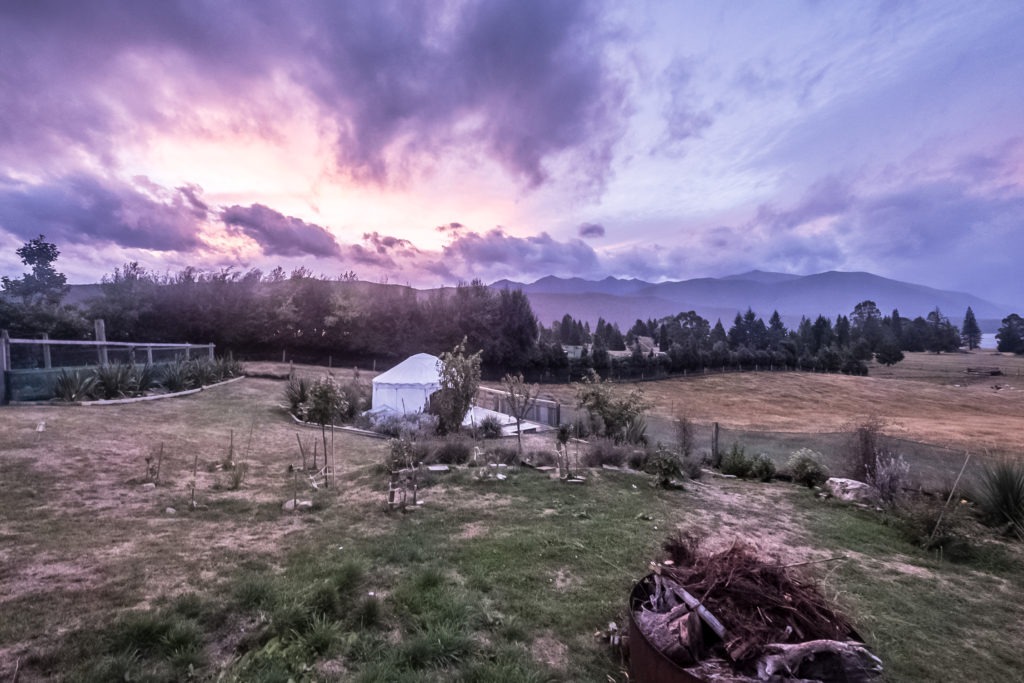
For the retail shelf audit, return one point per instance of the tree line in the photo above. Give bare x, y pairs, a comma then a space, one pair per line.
257, 314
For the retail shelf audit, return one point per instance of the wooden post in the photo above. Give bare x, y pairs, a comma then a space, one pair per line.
211, 351
5, 363
149, 355
101, 340
188, 351
46, 352
714, 443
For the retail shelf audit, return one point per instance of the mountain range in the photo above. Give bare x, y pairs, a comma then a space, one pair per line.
623, 301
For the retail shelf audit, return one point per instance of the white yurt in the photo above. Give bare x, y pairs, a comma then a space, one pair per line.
406, 387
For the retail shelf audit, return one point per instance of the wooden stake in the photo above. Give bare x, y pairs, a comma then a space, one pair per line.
159, 461
952, 491
302, 451
248, 445
195, 467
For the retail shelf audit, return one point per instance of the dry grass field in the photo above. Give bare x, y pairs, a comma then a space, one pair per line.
927, 398
523, 572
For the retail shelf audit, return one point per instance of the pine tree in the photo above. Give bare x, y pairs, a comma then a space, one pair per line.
971, 333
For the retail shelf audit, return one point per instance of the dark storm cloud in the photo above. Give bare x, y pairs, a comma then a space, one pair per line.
591, 230
279, 234
537, 254
83, 209
394, 79
384, 244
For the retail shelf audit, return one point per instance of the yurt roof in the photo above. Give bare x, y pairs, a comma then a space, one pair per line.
419, 369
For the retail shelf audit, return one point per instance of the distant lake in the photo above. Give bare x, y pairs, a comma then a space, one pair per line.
988, 341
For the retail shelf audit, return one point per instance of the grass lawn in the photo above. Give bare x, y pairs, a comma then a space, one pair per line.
488, 580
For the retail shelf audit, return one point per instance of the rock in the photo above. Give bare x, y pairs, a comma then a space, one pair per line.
852, 491
148, 486
289, 505
170, 511
438, 468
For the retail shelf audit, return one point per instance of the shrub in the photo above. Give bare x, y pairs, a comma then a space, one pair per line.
604, 452
541, 458
114, 380
237, 475
1000, 495
453, 452
637, 459
503, 455
736, 462
202, 372
761, 468
685, 436
805, 467
142, 378
413, 426
175, 377
400, 454
490, 427
357, 398
929, 524
691, 467
296, 393
890, 477
665, 465
612, 413
75, 385
228, 367
864, 443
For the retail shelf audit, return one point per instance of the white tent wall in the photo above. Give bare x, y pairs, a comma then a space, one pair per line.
407, 387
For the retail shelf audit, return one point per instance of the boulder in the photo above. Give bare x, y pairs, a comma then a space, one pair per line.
290, 505
852, 491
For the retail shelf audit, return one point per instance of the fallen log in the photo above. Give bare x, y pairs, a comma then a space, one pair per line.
829, 660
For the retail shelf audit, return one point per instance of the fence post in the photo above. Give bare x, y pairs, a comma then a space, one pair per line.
46, 352
211, 351
5, 364
149, 355
101, 340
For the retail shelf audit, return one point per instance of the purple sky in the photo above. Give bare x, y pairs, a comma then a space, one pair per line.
432, 142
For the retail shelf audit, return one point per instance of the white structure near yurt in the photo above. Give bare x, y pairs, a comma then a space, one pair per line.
406, 388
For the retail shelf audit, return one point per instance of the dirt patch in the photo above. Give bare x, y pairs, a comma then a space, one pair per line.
563, 580
550, 651
472, 530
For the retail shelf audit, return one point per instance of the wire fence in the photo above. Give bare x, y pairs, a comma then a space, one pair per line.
931, 467
30, 367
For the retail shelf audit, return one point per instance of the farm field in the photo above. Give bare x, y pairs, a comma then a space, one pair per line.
488, 580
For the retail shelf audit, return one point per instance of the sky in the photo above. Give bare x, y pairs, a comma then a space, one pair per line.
434, 142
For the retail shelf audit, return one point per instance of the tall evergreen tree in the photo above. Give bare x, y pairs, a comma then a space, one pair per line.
1011, 334
971, 333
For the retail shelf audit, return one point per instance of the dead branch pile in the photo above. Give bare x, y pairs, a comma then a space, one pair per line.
761, 602
761, 616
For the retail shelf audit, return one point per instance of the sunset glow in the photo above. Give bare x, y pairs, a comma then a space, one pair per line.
661, 141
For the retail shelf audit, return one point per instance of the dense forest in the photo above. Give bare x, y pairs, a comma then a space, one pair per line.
312, 318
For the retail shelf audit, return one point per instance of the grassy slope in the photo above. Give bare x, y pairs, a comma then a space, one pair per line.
488, 581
